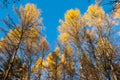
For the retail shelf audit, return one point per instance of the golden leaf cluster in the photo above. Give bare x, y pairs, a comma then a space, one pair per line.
29, 14
38, 65
64, 38
33, 32
3, 43
95, 15
70, 26
104, 47
72, 15
14, 35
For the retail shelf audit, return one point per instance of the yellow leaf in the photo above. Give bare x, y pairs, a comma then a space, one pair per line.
29, 14
72, 15
14, 35
64, 38
3, 43
95, 16
33, 32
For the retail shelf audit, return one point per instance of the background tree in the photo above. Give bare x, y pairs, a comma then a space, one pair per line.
84, 33
68, 63
53, 65
88, 46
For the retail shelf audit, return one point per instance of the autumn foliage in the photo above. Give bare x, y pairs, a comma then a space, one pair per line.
87, 47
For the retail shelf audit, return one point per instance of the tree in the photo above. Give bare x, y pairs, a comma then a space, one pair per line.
68, 63
39, 67
72, 30
24, 38
53, 65
88, 70
84, 33
87, 49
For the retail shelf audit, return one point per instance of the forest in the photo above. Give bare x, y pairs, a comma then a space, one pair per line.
87, 48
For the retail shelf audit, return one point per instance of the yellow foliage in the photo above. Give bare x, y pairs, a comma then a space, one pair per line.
38, 65
67, 54
29, 35
64, 38
29, 14
43, 46
14, 35
72, 15
95, 10
69, 50
33, 32
57, 50
50, 60
68, 64
62, 59
64, 26
95, 15
39, 62
3, 43
104, 47
72, 18
53, 65
71, 26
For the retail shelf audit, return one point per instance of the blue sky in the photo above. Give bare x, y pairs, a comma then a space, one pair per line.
52, 11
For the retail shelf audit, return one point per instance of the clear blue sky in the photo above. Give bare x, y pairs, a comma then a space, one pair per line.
52, 11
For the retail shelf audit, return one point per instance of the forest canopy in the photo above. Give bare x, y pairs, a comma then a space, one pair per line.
87, 48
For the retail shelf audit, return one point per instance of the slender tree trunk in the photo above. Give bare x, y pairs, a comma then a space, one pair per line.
113, 74
11, 63
28, 74
13, 57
